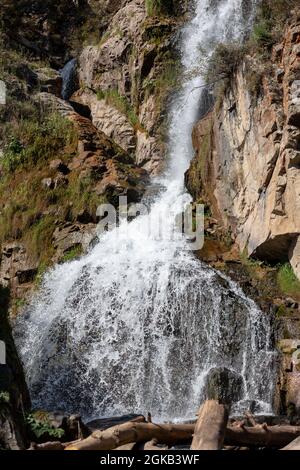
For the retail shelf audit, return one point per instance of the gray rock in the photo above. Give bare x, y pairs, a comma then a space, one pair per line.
224, 385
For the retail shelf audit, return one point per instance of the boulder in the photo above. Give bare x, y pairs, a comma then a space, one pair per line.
224, 385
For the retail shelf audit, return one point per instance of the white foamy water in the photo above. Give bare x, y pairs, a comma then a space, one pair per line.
137, 323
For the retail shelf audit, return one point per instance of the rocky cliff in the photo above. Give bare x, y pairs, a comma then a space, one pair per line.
246, 172
248, 153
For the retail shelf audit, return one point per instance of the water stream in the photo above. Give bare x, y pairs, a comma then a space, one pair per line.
137, 323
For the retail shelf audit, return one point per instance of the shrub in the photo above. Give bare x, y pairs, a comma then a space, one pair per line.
40, 426
224, 62
262, 34
287, 280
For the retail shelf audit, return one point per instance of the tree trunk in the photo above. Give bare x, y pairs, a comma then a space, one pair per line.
135, 432
261, 436
294, 445
210, 427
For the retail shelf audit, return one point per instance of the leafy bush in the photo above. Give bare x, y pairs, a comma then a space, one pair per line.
287, 280
40, 426
262, 34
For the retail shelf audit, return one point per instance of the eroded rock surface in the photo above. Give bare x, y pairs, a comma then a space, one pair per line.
247, 164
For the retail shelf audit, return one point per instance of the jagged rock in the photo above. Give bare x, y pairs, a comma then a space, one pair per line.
109, 120
16, 269
73, 236
129, 63
49, 81
46, 79
247, 159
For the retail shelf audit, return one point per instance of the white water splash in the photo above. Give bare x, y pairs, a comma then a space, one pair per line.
136, 324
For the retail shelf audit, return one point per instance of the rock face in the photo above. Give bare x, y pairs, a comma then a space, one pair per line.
288, 396
247, 164
14, 397
125, 78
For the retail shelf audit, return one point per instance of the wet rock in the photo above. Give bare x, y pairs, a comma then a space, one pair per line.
73, 237
224, 385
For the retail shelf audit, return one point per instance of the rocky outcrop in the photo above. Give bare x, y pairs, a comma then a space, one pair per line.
124, 81
99, 163
288, 389
14, 397
248, 157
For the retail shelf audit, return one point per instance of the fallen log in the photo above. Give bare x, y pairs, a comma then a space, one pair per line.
210, 427
294, 445
261, 436
127, 433
55, 445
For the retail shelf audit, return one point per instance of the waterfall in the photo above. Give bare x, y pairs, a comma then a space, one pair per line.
69, 79
137, 323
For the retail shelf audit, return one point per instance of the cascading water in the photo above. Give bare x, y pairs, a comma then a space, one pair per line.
137, 324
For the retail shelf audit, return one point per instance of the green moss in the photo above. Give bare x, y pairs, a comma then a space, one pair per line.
287, 280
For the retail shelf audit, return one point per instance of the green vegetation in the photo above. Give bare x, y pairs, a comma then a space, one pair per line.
72, 254
4, 397
40, 426
159, 7
115, 99
267, 31
287, 281
224, 61
31, 142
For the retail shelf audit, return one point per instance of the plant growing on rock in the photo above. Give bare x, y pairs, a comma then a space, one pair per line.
40, 426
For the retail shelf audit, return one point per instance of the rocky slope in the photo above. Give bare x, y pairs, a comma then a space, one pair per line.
107, 143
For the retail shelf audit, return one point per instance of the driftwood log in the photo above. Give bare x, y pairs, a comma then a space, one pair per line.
127, 433
294, 445
261, 436
211, 426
